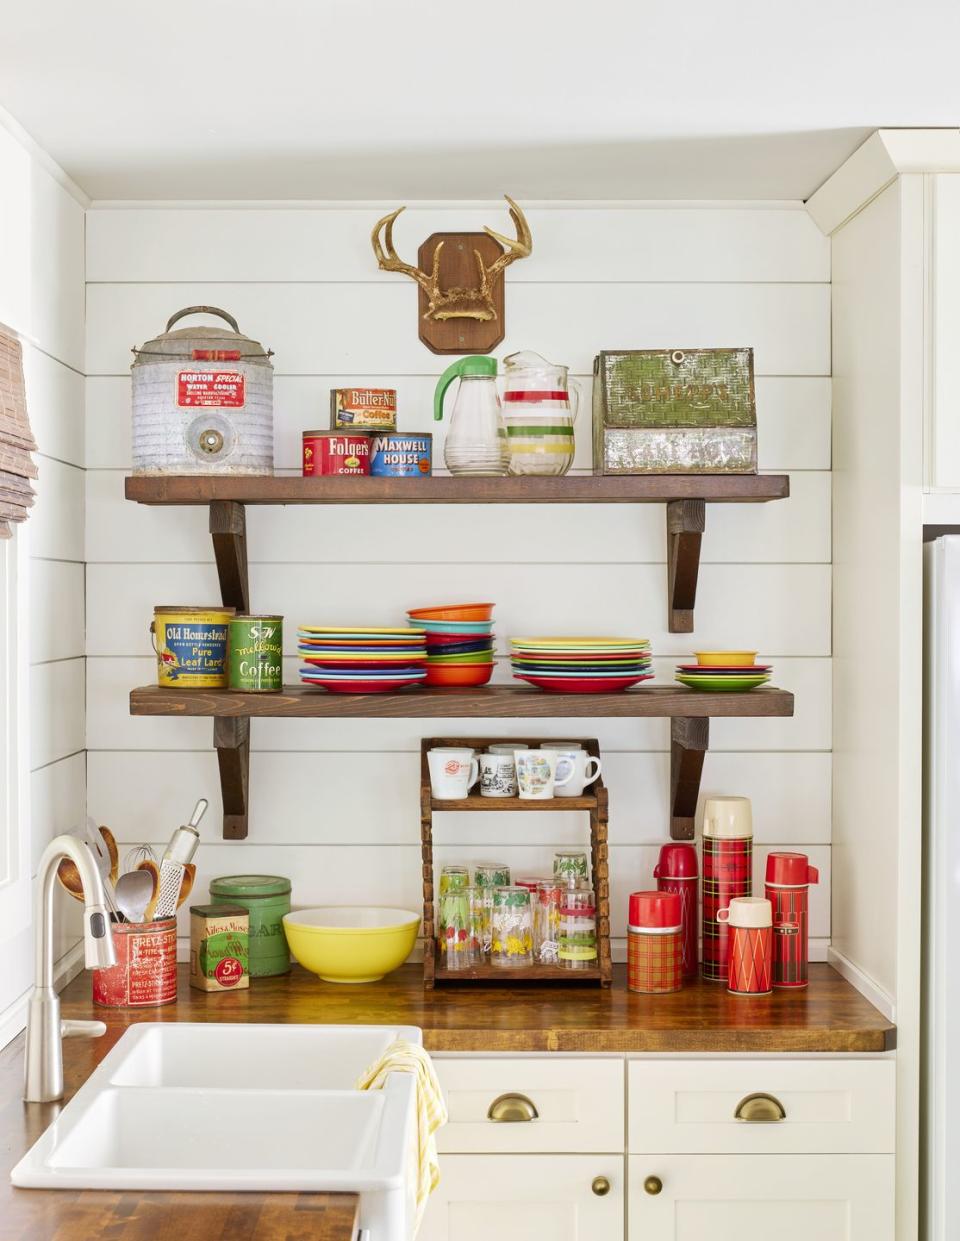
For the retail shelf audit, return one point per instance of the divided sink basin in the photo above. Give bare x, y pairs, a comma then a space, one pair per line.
224, 1106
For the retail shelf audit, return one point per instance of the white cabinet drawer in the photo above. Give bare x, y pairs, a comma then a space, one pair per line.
579, 1104
832, 1106
762, 1198
545, 1197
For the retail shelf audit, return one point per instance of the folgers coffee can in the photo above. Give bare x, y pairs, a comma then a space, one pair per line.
402, 456
787, 888
750, 968
676, 871
654, 943
363, 409
335, 452
727, 874
145, 975
191, 646
256, 654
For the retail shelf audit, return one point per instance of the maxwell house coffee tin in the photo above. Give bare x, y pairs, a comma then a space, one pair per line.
335, 452
363, 409
401, 456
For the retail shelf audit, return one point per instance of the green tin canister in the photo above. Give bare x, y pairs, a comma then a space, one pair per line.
256, 654
266, 898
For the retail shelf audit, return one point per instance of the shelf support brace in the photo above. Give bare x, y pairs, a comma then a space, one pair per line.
228, 528
689, 738
231, 736
686, 520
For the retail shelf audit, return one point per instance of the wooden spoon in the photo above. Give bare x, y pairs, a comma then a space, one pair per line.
186, 883
154, 870
110, 841
69, 878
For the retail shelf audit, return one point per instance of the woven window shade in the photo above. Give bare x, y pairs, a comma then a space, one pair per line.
16, 438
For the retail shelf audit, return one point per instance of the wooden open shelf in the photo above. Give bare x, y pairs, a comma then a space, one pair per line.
685, 495
595, 803
485, 701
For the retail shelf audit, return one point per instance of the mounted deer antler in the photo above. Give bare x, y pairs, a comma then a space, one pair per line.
456, 303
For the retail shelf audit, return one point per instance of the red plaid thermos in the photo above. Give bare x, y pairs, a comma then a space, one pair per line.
727, 873
676, 871
787, 888
654, 936
750, 920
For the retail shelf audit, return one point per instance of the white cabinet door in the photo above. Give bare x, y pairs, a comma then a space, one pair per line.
942, 438
759, 1197
524, 1197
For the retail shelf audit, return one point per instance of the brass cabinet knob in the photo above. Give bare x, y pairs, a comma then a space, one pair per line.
600, 1186
509, 1109
760, 1109
652, 1185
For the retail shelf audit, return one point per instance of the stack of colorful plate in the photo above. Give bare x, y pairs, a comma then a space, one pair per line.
459, 638
724, 671
361, 661
581, 665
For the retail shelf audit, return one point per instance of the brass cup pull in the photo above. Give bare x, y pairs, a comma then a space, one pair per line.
760, 1109
509, 1109
652, 1185
600, 1186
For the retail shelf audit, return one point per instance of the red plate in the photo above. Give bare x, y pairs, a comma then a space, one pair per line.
368, 686
582, 685
319, 661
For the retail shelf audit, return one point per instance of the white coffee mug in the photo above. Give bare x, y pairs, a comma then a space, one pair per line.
453, 772
506, 747
540, 772
586, 769
561, 745
498, 775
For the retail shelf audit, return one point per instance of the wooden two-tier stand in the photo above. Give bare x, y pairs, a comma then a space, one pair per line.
594, 803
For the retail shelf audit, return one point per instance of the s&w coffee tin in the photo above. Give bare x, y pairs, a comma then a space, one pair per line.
256, 654
335, 452
363, 409
402, 456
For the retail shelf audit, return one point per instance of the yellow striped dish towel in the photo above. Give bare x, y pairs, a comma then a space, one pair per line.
404, 1057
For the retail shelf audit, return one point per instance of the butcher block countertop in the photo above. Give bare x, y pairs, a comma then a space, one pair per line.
830, 1016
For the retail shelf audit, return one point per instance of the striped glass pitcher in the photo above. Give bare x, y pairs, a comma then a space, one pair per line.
538, 416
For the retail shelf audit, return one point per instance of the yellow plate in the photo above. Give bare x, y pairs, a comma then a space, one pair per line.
726, 659
351, 943
348, 629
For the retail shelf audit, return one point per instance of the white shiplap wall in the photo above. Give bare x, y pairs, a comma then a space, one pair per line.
334, 804
42, 299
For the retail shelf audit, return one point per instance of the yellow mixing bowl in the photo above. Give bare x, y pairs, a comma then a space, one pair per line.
351, 943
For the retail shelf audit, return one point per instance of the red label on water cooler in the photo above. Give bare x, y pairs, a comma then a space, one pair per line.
206, 389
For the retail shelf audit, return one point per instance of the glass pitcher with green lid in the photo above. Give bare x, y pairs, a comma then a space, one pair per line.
476, 442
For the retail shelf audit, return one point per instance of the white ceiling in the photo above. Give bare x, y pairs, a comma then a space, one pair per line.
423, 99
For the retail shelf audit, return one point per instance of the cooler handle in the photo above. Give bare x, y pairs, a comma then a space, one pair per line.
202, 310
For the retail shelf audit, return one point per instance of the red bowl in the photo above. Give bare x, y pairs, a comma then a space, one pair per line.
459, 674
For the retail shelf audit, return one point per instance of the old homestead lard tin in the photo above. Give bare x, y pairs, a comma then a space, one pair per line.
202, 401
191, 646
256, 654
219, 947
335, 452
266, 898
363, 409
401, 456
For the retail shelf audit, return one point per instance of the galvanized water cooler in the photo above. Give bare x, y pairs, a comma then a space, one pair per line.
202, 401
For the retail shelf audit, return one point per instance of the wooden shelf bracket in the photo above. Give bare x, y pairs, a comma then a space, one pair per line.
689, 739
686, 520
231, 737
228, 528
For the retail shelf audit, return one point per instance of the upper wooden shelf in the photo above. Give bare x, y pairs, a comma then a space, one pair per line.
571, 489
489, 702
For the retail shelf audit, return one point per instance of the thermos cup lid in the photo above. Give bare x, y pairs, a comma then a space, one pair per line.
790, 870
655, 911
747, 911
676, 862
727, 818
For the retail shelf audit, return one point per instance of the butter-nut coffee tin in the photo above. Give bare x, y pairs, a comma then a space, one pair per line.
256, 654
363, 409
191, 646
266, 898
401, 456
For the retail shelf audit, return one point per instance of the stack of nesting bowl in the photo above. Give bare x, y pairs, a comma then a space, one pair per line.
459, 640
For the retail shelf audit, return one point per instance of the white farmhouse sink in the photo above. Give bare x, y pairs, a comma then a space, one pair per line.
239, 1107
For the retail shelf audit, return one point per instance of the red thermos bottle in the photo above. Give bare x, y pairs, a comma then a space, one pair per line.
727, 874
787, 888
676, 871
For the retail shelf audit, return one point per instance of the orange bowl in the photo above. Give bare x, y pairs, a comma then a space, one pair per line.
458, 674
455, 612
